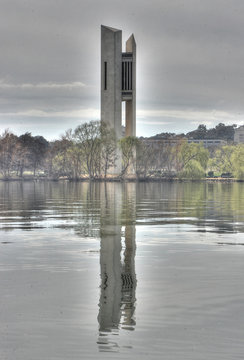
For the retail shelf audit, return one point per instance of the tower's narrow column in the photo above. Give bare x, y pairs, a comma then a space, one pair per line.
131, 104
111, 68
118, 83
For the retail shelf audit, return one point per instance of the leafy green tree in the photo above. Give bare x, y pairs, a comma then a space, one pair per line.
192, 160
38, 150
199, 133
32, 151
188, 152
108, 149
87, 137
75, 161
128, 147
192, 170
222, 160
221, 131
89, 149
237, 159
224, 132
57, 161
23, 158
146, 157
166, 157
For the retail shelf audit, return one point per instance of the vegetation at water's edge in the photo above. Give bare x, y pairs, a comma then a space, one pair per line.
91, 150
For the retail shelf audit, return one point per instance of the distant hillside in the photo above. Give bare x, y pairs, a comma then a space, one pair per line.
221, 131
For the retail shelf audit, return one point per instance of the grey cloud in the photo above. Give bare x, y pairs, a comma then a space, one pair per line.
49, 85
190, 57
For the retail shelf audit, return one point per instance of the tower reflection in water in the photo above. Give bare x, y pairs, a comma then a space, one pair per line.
117, 264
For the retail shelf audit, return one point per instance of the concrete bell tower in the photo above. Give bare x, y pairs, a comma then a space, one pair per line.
118, 82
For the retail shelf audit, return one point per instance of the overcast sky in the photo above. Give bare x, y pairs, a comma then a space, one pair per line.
190, 62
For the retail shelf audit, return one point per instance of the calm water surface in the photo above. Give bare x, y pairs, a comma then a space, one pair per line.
127, 271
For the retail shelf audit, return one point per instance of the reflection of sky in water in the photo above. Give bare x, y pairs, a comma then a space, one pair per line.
206, 207
170, 259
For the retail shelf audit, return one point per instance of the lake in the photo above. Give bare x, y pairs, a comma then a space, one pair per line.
121, 270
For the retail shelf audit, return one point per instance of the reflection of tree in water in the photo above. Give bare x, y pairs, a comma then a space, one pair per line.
215, 207
28, 205
117, 263
21, 202
210, 207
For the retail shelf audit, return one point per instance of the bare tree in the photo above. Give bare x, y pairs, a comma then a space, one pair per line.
108, 149
128, 146
87, 138
8, 149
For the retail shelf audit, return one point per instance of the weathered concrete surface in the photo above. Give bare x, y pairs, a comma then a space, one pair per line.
130, 129
111, 86
111, 45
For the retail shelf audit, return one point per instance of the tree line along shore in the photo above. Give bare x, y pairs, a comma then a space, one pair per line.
91, 151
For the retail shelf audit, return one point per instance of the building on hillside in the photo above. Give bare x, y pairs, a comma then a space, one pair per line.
156, 143
207, 143
239, 135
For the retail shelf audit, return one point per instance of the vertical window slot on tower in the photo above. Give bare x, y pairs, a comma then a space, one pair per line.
127, 73
105, 75
130, 75
123, 75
